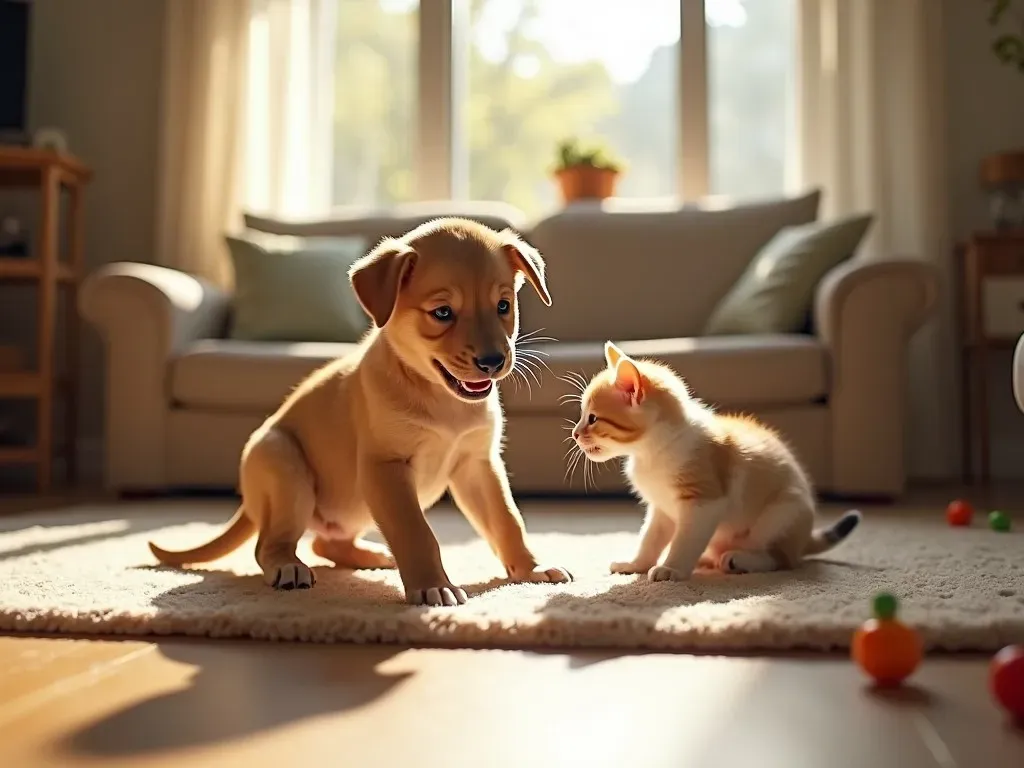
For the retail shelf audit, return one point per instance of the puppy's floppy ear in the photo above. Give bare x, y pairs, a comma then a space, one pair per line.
526, 261
379, 275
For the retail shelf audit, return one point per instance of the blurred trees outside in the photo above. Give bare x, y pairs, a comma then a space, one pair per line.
520, 101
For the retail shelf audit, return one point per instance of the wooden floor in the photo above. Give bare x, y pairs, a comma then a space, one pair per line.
75, 702
68, 702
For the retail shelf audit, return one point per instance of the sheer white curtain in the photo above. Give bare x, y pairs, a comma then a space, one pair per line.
246, 122
202, 118
872, 137
290, 113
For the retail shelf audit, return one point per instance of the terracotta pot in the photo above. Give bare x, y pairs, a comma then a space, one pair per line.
584, 182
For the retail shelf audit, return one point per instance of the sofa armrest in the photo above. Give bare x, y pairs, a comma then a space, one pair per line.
145, 315
866, 314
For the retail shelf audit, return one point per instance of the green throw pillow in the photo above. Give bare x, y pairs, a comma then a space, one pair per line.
295, 289
776, 292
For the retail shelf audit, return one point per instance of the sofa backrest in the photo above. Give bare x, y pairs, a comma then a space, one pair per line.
630, 275
393, 222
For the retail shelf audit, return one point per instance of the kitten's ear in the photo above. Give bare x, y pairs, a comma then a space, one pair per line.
612, 354
628, 380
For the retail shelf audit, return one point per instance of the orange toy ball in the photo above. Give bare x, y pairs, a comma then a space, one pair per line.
959, 512
885, 648
1006, 679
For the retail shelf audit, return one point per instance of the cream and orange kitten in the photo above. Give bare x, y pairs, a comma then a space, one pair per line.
721, 491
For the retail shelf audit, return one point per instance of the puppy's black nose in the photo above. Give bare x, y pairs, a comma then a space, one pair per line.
490, 363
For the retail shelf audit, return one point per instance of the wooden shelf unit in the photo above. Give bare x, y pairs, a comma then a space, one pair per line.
988, 322
49, 173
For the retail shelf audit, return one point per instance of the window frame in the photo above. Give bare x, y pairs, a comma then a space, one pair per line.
442, 83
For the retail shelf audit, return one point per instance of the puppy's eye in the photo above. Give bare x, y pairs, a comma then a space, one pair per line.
591, 419
444, 314
504, 307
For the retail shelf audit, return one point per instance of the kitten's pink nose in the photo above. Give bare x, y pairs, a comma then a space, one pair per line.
576, 432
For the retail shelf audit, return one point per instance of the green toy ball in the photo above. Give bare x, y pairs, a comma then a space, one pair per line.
884, 606
998, 521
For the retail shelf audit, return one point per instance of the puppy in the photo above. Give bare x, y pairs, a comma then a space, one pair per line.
376, 437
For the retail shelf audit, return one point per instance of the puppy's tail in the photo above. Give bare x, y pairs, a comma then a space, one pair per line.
827, 537
239, 531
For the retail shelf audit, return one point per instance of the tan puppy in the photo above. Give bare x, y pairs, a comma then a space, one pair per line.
378, 436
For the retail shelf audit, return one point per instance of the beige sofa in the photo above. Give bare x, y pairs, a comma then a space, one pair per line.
181, 398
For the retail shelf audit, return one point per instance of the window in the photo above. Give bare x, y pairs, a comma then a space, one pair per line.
543, 70
467, 99
751, 92
375, 84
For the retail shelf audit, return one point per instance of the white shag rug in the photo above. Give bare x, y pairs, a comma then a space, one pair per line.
87, 570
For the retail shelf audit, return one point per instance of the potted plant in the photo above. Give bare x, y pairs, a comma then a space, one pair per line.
1008, 44
586, 172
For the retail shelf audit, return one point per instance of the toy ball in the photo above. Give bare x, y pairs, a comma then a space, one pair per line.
998, 521
959, 512
885, 648
1006, 680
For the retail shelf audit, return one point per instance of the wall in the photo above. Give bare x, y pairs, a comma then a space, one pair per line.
985, 114
95, 74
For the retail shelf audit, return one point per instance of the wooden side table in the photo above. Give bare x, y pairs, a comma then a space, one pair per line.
991, 304
48, 172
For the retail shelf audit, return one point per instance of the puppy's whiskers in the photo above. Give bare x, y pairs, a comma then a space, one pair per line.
520, 370
534, 356
532, 336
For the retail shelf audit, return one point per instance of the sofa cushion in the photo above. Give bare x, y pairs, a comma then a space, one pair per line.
730, 371
295, 289
776, 292
615, 272
244, 376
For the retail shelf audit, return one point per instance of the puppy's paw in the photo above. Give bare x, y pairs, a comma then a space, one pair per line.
447, 594
542, 574
291, 576
628, 566
664, 573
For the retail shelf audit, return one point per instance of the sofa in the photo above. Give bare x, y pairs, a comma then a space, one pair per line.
182, 397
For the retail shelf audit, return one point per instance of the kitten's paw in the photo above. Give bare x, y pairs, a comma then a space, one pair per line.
730, 563
664, 573
628, 566
742, 561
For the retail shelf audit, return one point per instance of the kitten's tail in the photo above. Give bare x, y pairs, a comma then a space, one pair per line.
823, 539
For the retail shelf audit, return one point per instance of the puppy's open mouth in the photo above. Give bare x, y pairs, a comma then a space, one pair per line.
467, 390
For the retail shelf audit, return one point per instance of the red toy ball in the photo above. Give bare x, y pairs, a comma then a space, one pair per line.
959, 513
1006, 679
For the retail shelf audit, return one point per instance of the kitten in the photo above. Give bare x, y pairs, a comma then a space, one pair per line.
721, 491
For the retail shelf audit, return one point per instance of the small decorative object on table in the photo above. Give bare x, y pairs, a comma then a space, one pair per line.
885, 648
1002, 176
586, 172
12, 241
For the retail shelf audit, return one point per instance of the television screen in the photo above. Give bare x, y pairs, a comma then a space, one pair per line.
14, 28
